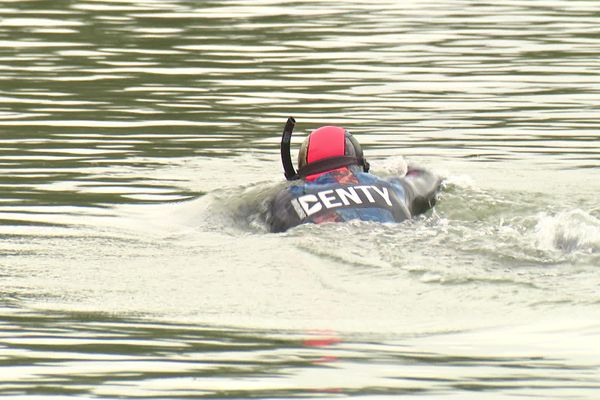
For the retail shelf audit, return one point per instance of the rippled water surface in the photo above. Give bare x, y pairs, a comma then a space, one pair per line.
139, 148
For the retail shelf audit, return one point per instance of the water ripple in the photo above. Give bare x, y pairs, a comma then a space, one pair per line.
140, 143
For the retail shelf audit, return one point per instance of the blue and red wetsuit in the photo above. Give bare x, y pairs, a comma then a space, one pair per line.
348, 194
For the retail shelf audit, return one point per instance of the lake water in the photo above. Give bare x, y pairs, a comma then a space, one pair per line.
139, 146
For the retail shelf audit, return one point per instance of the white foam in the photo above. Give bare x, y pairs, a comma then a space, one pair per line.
462, 181
396, 166
569, 231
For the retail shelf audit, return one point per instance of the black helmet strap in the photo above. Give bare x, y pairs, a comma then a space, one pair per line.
327, 164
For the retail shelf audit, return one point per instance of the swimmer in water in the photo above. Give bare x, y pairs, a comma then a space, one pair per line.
333, 184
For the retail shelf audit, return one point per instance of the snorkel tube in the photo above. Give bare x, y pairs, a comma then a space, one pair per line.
286, 157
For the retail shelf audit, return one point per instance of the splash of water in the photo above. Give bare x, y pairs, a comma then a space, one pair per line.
568, 231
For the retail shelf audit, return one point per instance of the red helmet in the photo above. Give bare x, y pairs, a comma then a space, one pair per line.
333, 147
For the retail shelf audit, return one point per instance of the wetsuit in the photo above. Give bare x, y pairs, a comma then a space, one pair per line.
348, 193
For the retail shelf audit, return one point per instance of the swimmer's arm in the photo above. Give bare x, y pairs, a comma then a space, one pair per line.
281, 213
421, 188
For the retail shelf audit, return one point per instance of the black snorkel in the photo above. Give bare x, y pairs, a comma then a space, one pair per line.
286, 157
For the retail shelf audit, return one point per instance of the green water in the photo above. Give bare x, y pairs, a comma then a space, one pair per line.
139, 146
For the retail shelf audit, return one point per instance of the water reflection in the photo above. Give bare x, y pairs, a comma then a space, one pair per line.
95, 354
109, 107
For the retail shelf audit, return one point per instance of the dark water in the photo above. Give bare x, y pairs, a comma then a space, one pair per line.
139, 146
102, 356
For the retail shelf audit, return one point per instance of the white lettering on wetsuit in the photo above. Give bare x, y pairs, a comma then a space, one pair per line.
310, 204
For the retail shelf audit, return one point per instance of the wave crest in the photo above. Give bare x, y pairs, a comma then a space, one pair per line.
568, 231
